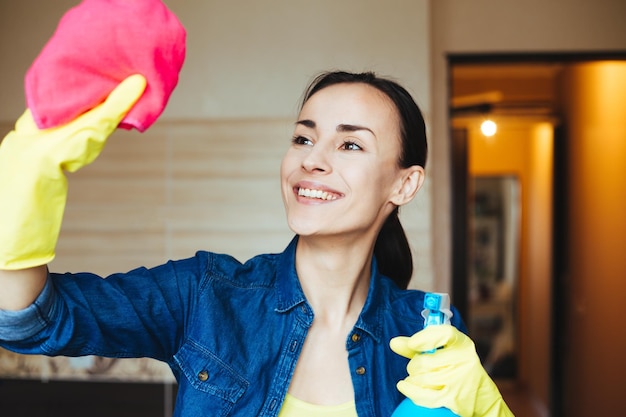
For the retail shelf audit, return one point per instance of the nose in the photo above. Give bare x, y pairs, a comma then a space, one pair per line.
317, 159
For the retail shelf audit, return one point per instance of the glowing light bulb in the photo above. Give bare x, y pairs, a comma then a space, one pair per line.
489, 128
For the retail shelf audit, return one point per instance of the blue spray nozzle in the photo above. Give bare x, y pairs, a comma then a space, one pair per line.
436, 311
434, 301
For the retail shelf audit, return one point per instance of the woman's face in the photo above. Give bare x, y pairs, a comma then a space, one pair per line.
341, 174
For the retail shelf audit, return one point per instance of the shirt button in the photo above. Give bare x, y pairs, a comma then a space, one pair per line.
356, 337
273, 404
360, 370
203, 375
293, 346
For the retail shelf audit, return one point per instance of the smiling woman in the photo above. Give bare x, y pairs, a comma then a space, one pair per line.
347, 145
309, 326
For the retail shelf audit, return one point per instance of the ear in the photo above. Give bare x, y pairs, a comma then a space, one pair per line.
410, 181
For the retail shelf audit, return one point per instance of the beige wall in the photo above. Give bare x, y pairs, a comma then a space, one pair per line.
185, 187
247, 64
247, 58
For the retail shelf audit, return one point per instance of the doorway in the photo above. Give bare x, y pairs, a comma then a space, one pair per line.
509, 224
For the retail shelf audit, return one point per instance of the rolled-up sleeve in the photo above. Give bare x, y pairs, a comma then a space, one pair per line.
22, 324
139, 313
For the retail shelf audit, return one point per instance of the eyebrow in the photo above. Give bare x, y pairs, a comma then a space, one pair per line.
344, 127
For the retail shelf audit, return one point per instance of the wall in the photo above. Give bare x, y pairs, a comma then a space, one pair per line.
594, 97
185, 187
249, 59
244, 63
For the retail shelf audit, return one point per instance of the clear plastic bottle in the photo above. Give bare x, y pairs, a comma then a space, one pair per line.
436, 311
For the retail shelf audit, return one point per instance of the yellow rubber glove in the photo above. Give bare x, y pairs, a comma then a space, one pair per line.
33, 187
450, 377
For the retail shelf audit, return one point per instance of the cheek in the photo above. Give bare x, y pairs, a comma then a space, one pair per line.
287, 167
379, 182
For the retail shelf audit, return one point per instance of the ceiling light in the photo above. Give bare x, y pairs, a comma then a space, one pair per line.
488, 128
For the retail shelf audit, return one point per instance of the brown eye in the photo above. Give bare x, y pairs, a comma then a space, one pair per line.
351, 146
301, 140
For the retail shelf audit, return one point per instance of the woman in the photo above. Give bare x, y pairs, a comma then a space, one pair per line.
305, 329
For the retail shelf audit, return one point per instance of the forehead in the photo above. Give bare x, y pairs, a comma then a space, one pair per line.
351, 103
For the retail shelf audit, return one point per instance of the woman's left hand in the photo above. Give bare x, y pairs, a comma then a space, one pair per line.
445, 371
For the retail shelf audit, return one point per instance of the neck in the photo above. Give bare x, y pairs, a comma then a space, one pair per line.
335, 276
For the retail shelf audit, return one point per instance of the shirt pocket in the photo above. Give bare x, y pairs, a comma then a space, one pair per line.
207, 373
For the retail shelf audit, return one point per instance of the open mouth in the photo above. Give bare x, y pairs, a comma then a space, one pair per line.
316, 194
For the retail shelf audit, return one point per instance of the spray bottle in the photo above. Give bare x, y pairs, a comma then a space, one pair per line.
436, 311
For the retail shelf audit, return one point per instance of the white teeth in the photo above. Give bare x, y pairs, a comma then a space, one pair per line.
323, 195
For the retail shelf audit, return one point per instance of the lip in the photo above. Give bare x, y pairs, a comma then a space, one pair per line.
323, 193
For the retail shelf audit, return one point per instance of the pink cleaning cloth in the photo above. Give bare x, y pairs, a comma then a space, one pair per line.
96, 45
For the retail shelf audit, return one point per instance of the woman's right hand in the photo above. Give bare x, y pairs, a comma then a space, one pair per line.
33, 187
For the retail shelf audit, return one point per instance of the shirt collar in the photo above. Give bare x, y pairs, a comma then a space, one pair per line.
288, 289
289, 292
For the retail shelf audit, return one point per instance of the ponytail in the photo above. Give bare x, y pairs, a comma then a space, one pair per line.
392, 252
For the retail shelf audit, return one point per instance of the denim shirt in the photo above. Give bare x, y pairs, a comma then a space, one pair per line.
231, 333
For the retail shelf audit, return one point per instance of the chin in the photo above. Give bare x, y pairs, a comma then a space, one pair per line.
302, 230
308, 227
